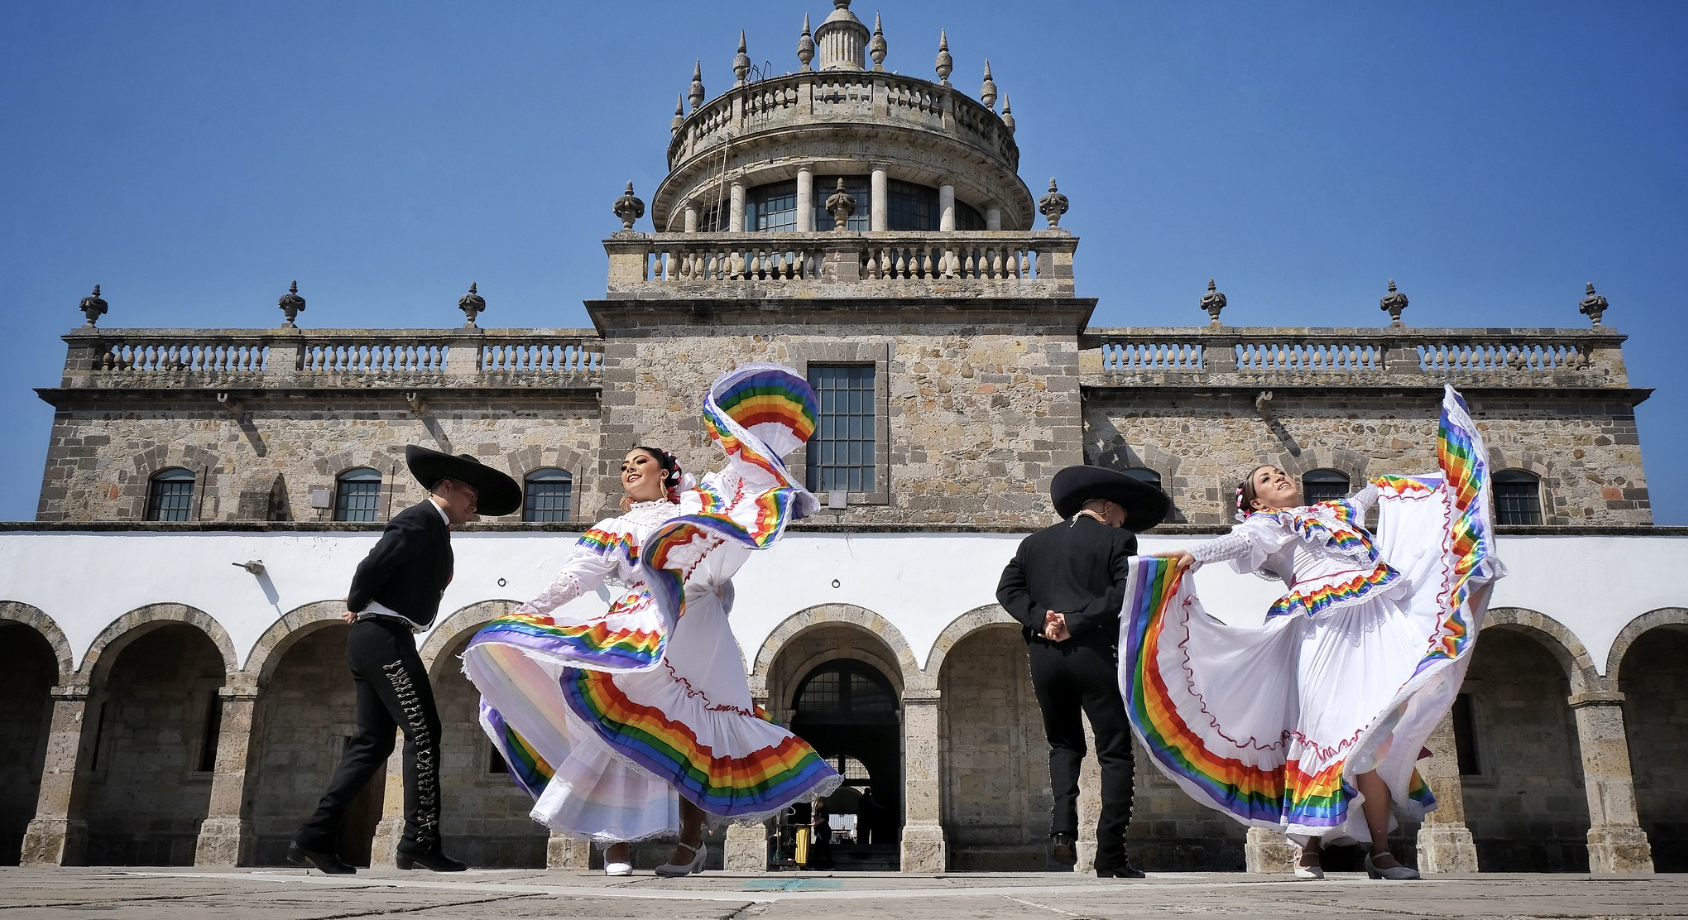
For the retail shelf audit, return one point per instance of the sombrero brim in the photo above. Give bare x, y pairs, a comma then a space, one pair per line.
499, 494
1145, 506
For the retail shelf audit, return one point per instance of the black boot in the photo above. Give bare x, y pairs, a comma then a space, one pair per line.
435, 860
327, 862
1064, 848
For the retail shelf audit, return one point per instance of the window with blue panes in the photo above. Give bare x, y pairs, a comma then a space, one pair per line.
841, 453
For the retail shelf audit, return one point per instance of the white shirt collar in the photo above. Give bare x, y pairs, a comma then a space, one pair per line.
443, 516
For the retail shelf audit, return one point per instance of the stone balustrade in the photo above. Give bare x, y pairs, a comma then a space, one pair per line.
970, 263
268, 358
1237, 356
878, 99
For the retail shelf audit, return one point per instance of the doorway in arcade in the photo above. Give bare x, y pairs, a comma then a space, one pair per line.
850, 712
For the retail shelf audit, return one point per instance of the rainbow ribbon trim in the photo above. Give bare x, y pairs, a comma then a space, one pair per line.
593, 642
527, 769
1465, 472
1312, 603
1344, 536
750, 784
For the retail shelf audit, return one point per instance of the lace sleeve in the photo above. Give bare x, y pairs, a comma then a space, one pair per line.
1363, 500
1219, 549
1248, 545
583, 571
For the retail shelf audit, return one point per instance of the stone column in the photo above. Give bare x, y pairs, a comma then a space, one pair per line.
993, 218
463, 354
746, 849
879, 200
923, 831
1616, 843
1444, 842
226, 837
384, 848
1269, 852
691, 218
805, 199
735, 216
56, 835
570, 853
946, 209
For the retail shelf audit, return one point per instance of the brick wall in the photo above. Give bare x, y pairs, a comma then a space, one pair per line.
27, 672
146, 793
1526, 808
1654, 681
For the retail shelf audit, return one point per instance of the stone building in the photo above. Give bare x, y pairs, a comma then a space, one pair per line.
870, 229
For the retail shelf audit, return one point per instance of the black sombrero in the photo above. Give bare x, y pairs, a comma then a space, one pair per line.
499, 494
1145, 506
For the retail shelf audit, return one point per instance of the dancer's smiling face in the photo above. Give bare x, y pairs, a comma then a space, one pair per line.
1272, 488
642, 476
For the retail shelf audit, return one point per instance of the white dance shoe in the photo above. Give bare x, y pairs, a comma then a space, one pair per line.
618, 868
1396, 873
1310, 873
670, 870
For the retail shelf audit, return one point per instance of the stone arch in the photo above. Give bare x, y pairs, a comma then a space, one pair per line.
1539, 465
142, 620
986, 617
1558, 639
135, 483
294, 625
1634, 629
909, 677
34, 617
450, 630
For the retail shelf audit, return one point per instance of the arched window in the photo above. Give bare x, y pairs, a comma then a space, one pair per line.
1517, 497
1323, 486
1144, 474
170, 495
844, 688
547, 496
357, 495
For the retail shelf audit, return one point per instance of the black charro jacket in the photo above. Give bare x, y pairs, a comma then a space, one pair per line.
409, 567
1076, 568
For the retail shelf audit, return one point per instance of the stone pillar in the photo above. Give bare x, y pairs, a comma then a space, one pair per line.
993, 218
691, 218
735, 217
946, 209
384, 848
1089, 800
226, 837
463, 355
879, 200
746, 849
1616, 843
56, 835
805, 199
565, 852
923, 831
1269, 852
1444, 842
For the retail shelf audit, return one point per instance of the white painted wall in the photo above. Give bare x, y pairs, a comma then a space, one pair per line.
920, 583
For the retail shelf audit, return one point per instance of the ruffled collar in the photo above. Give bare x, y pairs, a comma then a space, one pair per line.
654, 511
1331, 524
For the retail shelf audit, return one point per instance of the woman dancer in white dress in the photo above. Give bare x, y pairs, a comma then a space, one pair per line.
1324, 707
637, 722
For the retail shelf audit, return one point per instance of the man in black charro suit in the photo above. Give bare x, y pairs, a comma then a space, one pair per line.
1065, 586
395, 594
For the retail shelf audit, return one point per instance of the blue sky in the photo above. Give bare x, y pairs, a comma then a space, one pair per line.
194, 158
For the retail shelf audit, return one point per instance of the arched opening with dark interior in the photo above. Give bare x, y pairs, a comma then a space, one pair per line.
1654, 682
28, 671
152, 741
307, 713
849, 710
1525, 805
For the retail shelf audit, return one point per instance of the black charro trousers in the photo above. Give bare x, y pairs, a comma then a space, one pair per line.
392, 693
1069, 677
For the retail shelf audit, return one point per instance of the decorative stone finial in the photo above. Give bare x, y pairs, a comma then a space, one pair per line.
841, 41
471, 304
291, 305
94, 308
877, 48
629, 208
1394, 303
741, 61
679, 115
1593, 306
1007, 114
1213, 302
805, 46
987, 92
946, 64
840, 205
1052, 205
696, 93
